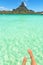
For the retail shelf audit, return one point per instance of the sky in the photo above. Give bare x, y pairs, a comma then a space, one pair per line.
36, 5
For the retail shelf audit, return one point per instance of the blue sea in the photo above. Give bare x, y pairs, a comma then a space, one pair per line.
19, 33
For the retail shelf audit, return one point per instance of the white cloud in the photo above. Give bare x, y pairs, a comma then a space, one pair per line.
25, 4
4, 8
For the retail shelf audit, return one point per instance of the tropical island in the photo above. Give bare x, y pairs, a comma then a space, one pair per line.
22, 9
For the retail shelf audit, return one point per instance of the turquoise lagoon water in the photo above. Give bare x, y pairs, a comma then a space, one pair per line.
19, 33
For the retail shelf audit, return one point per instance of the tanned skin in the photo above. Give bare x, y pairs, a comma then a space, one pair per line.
33, 62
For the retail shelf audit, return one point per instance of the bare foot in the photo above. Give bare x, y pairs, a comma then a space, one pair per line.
32, 59
33, 62
30, 52
24, 61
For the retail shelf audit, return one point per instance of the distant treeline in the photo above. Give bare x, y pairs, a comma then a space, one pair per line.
22, 9
19, 12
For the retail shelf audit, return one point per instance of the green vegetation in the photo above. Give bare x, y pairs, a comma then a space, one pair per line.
22, 9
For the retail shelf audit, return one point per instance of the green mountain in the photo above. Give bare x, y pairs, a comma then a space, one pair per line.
22, 9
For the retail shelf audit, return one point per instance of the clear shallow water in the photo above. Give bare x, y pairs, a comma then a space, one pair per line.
17, 34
